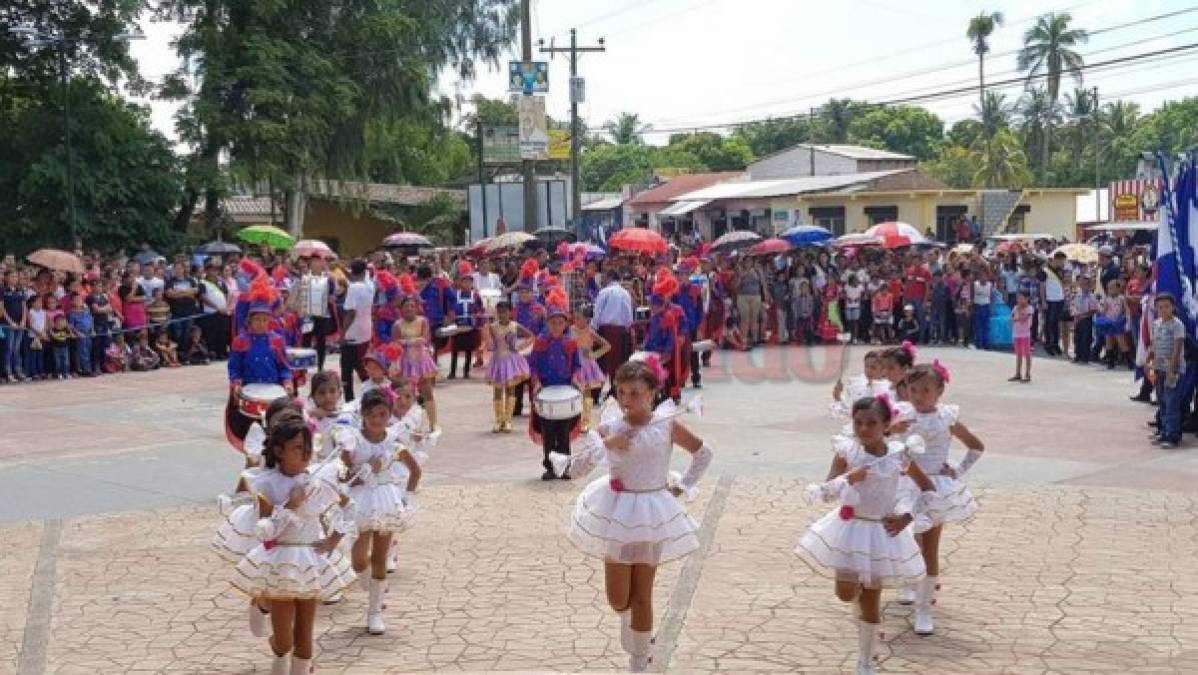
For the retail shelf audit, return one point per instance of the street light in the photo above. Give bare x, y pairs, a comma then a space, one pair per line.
58, 41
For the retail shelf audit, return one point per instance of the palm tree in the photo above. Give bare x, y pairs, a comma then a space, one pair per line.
980, 28
626, 129
1037, 113
994, 113
1118, 123
1047, 50
838, 115
1080, 108
1000, 162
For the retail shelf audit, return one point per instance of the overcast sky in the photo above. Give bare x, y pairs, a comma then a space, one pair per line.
685, 63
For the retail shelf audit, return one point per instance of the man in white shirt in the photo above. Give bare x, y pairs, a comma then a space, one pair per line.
314, 303
613, 320
1054, 303
356, 326
215, 321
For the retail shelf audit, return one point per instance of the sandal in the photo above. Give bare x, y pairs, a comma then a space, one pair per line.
1014, 379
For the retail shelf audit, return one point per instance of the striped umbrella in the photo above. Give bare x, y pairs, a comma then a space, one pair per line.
895, 234
770, 247
735, 239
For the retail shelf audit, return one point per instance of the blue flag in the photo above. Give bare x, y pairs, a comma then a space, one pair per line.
1174, 248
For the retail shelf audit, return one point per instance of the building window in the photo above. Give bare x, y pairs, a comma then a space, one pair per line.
947, 219
1017, 222
830, 217
881, 214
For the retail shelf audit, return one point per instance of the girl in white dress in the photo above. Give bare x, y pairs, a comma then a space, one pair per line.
937, 423
872, 382
632, 518
866, 543
294, 564
379, 500
412, 429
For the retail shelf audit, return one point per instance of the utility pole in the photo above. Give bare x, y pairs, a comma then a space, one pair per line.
576, 97
811, 141
531, 212
1097, 175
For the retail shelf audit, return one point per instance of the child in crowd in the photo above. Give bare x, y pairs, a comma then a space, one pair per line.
1111, 326
733, 337
116, 355
962, 306
60, 345
37, 340
941, 306
167, 349
143, 356
883, 307
1167, 357
852, 294
1021, 332
80, 318
159, 310
196, 353
908, 326
803, 307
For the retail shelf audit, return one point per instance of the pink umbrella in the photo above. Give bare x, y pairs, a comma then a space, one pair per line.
407, 239
895, 234
770, 247
307, 248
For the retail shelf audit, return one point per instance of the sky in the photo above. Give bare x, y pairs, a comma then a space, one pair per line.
683, 64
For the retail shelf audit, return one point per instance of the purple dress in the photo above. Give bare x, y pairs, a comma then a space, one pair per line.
508, 367
590, 374
417, 363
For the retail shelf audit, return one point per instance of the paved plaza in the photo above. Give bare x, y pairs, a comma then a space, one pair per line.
1082, 557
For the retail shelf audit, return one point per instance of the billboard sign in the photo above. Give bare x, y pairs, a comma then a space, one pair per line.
534, 132
501, 145
528, 78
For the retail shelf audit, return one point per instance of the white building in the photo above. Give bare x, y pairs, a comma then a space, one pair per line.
826, 160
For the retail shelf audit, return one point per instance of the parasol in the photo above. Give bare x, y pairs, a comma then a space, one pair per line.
770, 247
857, 239
306, 248
806, 235
217, 247
54, 259
509, 240
551, 235
266, 235
1005, 247
735, 239
640, 240
895, 234
479, 248
407, 239
1079, 253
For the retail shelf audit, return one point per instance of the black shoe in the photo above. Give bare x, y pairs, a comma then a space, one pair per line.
452, 376
548, 475
1141, 399
565, 476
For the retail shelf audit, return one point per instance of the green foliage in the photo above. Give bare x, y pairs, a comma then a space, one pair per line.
626, 129
126, 179
715, 152
963, 133
436, 219
953, 165
1048, 50
906, 129
1000, 162
770, 136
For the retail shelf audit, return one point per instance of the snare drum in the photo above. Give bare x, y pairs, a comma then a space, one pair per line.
641, 314
448, 331
301, 358
559, 403
490, 297
703, 346
254, 399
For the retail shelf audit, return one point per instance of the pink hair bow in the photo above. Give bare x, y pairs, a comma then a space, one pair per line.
941, 370
885, 399
654, 363
909, 347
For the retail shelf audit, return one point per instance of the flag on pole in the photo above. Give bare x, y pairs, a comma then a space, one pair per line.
1174, 249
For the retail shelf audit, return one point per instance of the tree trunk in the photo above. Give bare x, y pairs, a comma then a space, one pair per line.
982, 89
297, 203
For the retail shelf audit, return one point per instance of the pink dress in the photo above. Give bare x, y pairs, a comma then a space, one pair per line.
508, 367
417, 363
590, 375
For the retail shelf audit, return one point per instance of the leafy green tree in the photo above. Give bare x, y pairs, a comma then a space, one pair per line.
906, 129
1171, 128
626, 129
835, 117
953, 165
606, 167
1048, 51
1038, 115
770, 136
714, 151
994, 114
963, 133
1000, 163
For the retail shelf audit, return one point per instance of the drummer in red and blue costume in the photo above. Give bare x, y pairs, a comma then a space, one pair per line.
257, 356
690, 300
554, 362
437, 298
530, 314
666, 335
387, 312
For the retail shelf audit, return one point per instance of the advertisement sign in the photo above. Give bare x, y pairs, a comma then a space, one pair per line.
501, 145
528, 78
559, 144
1127, 207
534, 134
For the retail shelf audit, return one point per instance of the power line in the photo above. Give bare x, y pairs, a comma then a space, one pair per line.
931, 69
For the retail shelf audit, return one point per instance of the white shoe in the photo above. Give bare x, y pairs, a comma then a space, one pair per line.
640, 656
374, 611
625, 629
906, 594
281, 664
924, 625
867, 634
257, 620
300, 666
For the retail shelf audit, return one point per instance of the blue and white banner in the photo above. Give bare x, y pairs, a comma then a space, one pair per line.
1174, 250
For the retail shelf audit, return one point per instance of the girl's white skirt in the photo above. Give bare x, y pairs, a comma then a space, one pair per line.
862, 551
236, 535
381, 508
293, 572
630, 527
952, 502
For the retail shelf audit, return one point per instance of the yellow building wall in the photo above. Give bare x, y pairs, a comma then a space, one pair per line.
1053, 213
346, 233
917, 210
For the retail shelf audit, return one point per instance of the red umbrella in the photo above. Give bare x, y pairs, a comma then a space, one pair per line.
895, 234
1009, 247
770, 247
640, 240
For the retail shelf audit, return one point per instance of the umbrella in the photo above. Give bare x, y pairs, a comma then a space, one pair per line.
1006, 247
857, 239
407, 239
965, 248
266, 235
479, 248
509, 240
306, 248
640, 240
217, 247
593, 251
770, 247
554, 234
895, 234
805, 235
735, 239
1079, 253
54, 259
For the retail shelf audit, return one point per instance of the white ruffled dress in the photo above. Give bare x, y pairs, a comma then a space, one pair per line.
237, 534
379, 499
859, 548
857, 388
414, 423
284, 564
952, 502
642, 523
